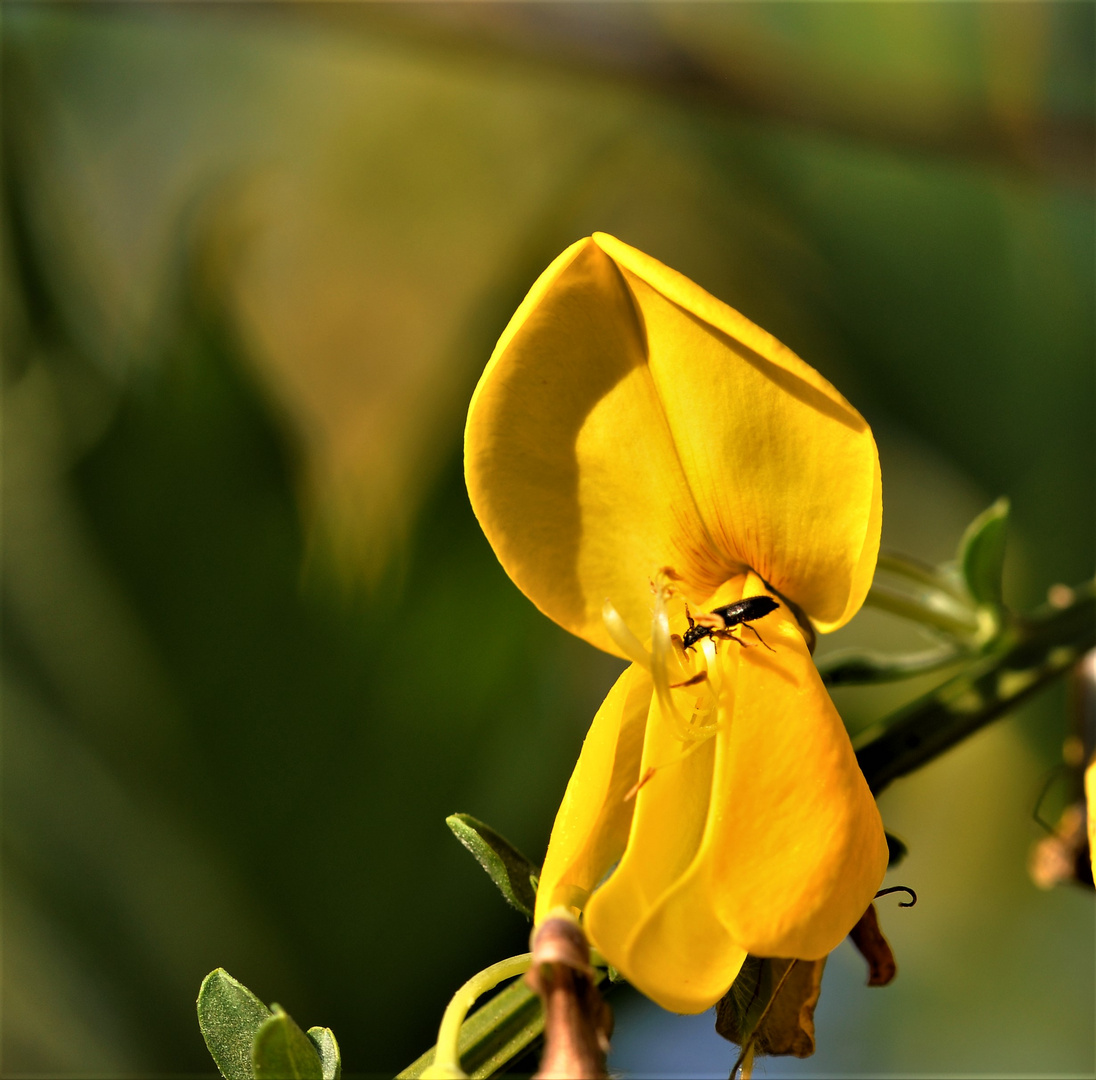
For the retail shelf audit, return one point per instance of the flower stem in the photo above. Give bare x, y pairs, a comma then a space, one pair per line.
447, 1054
1041, 648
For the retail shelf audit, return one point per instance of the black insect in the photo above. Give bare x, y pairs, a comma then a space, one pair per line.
720, 622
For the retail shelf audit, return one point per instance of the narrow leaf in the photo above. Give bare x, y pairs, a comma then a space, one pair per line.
982, 553
511, 871
229, 1016
281, 1051
330, 1058
848, 668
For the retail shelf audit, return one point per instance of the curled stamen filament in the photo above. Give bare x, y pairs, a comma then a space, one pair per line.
712, 666
693, 680
697, 738
670, 668
664, 656
660, 659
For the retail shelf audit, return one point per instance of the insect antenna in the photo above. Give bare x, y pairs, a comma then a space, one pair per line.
747, 626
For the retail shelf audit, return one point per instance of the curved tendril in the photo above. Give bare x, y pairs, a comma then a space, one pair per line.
625, 640
447, 1053
899, 888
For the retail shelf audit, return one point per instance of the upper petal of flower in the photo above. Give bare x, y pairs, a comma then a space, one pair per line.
627, 421
1090, 802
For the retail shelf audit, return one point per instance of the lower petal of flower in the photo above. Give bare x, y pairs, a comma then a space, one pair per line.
796, 841
654, 918
591, 827
761, 836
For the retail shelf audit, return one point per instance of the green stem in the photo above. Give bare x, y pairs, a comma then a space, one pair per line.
447, 1052
1041, 648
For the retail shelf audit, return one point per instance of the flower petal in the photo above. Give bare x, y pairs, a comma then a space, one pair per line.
1090, 804
570, 466
783, 469
655, 918
764, 839
591, 826
627, 421
797, 844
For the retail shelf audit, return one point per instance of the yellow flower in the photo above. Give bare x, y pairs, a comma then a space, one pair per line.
638, 453
1090, 803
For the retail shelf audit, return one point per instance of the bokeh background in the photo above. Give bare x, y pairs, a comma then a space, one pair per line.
255, 647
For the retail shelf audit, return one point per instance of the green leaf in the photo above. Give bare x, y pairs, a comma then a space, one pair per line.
230, 1015
281, 1051
982, 553
1048, 643
849, 668
330, 1058
511, 871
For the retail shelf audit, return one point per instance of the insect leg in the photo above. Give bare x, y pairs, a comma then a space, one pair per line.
747, 626
728, 635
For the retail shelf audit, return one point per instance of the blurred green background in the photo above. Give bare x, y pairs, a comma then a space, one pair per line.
255, 647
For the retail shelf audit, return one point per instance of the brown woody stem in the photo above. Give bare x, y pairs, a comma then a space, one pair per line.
577, 1023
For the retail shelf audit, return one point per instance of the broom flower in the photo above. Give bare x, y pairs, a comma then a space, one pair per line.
669, 482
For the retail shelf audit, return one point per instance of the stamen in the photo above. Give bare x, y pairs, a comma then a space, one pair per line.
699, 677
626, 641
660, 654
697, 740
633, 791
712, 665
672, 667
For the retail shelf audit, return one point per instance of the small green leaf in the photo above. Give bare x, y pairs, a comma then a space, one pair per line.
982, 553
281, 1051
511, 871
330, 1058
230, 1015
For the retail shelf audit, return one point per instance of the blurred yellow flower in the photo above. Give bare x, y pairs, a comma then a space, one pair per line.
1090, 803
640, 454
